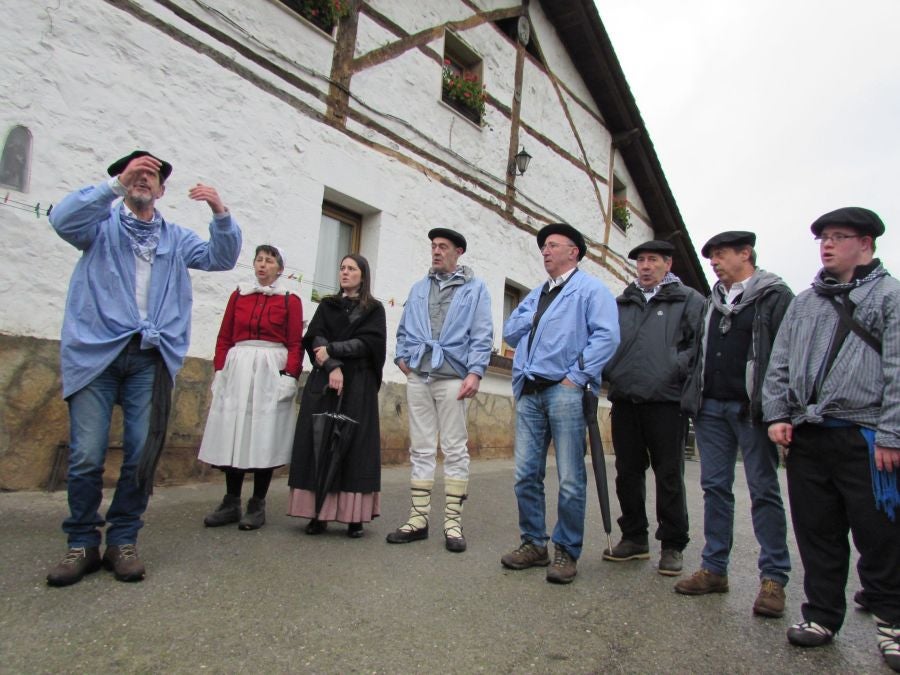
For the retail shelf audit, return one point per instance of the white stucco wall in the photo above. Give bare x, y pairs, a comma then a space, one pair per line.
92, 83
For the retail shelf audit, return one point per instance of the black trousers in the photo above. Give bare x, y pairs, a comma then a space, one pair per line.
651, 435
830, 491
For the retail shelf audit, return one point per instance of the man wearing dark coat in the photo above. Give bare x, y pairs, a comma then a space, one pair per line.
659, 322
741, 319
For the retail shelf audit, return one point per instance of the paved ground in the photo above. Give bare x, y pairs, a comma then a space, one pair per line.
279, 601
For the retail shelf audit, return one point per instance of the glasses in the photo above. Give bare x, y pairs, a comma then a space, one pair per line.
836, 238
553, 246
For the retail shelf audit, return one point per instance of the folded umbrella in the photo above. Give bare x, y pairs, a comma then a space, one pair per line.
160, 410
332, 435
590, 404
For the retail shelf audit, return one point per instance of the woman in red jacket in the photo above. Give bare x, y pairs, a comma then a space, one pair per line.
250, 426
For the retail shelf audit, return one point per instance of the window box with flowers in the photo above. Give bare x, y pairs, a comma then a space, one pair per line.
462, 91
324, 14
620, 214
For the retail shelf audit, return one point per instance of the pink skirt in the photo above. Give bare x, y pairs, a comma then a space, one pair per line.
344, 507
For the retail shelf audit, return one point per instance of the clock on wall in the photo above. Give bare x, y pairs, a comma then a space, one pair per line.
524, 30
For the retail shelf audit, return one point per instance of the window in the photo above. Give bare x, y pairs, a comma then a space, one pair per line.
621, 216
338, 235
15, 164
462, 86
323, 14
512, 296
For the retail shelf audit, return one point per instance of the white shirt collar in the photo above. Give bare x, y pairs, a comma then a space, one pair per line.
735, 290
561, 279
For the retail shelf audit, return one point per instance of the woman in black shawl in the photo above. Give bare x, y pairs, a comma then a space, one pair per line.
346, 342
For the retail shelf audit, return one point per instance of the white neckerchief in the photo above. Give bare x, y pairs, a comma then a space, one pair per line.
248, 289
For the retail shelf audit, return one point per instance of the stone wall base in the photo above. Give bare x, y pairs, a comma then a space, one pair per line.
34, 421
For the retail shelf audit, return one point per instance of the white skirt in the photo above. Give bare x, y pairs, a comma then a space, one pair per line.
253, 413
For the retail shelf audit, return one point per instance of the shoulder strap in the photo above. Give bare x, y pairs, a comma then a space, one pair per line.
846, 317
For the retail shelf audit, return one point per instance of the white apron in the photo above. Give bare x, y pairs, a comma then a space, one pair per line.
253, 414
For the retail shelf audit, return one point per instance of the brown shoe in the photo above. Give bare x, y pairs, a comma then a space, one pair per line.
72, 568
123, 561
562, 569
527, 555
770, 601
702, 582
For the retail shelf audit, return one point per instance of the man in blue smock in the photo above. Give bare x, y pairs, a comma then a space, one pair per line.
125, 334
444, 344
564, 332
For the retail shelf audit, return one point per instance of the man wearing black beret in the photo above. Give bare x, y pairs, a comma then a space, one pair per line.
125, 335
659, 322
564, 332
444, 343
741, 319
832, 399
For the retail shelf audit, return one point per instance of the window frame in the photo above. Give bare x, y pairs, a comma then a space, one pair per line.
346, 217
462, 60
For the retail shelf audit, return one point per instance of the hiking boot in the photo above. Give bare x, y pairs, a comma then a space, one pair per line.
702, 582
527, 555
889, 644
809, 634
770, 600
74, 565
255, 517
123, 561
229, 511
562, 569
670, 562
627, 550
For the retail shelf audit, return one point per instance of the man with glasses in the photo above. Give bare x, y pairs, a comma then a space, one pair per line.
832, 399
742, 317
564, 332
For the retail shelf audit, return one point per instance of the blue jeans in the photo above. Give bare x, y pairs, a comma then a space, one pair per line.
128, 381
554, 413
721, 427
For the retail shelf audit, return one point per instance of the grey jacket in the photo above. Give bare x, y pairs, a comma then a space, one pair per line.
659, 343
861, 386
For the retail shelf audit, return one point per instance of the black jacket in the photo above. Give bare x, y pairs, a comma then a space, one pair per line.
768, 311
658, 344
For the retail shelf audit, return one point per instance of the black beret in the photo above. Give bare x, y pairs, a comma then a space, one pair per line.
117, 167
566, 231
458, 240
860, 219
652, 246
735, 238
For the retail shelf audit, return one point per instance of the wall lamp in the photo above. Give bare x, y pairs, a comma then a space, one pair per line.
519, 165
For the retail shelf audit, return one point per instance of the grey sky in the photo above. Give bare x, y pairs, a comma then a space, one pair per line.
766, 114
